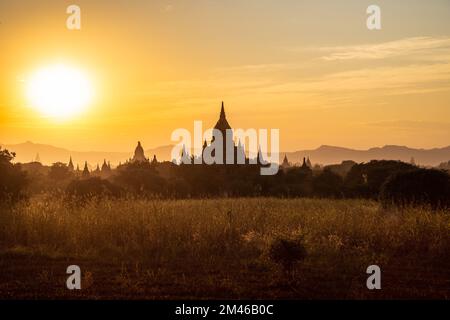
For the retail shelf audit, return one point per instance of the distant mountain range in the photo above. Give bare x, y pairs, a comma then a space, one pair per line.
48, 154
27, 152
330, 155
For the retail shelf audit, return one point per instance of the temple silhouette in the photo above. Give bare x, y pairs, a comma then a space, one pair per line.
139, 155
226, 133
238, 152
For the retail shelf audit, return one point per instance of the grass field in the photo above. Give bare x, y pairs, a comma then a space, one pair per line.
218, 248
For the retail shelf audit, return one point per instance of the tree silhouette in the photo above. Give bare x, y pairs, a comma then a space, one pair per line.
59, 171
428, 187
13, 180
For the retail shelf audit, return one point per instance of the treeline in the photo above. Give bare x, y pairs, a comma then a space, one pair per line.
392, 182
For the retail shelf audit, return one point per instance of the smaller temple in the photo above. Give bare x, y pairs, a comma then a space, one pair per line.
139, 155
308, 163
86, 172
240, 154
285, 164
260, 159
70, 165
305, 167
106, 168
184, 156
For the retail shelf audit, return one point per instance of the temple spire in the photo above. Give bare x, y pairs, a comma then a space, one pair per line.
105, 166
304, 165
70, 165
85, 170
222, 111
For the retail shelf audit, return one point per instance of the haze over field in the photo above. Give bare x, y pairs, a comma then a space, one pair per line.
26, 152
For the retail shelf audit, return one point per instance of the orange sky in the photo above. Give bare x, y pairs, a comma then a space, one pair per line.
309, 68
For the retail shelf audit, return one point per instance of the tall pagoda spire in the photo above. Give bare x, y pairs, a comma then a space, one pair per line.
185, 157
308, 163
105, 166
224, 127
260, 158
222, 112
285, 163
222, 124
86, 170
304, 165
70, 165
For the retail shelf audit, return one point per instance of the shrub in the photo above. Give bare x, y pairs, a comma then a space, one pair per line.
91, 188
140, 178
12, 179
423, 187
287, 252
328, 184
59, 171
365, 179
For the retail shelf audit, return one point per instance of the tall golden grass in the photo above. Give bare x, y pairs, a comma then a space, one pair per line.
167, 229
342, 237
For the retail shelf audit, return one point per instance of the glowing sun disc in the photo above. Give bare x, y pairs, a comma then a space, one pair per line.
59, 91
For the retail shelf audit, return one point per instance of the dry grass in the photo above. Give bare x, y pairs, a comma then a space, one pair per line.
219, 248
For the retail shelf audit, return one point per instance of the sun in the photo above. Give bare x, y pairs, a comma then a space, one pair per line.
59, 91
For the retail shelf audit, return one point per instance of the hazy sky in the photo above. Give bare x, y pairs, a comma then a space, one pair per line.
310, 68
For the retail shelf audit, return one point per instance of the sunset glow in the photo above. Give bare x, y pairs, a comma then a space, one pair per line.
309, 68
218, 158
59, 91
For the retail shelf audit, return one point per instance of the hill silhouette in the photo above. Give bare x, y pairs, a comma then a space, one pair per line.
48, 154
26, 152
331, 154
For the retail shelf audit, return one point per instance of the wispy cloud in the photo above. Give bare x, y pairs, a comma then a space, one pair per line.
390, 79
256, 83
317, 86
397, 48
168, 7
413, 125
